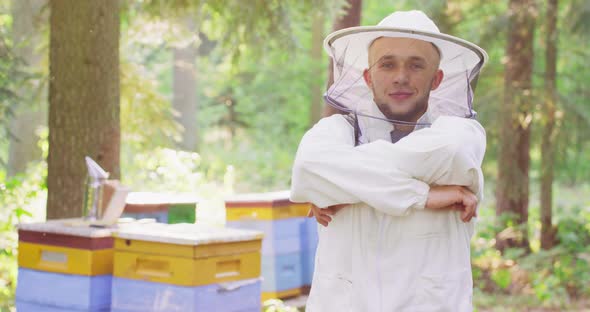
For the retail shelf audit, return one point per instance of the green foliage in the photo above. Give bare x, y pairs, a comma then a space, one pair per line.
21, 85
23, 199
553, 278
237, 23
147, 117
8, 97
502, 278
20, 194
547, 288
574, 230
163, 169
556, 276
13, 75
254, 113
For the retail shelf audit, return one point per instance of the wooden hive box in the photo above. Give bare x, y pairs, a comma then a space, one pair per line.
59, 258
186, 267
165, 208
290, 239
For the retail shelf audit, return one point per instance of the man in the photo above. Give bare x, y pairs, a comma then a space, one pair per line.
397, 217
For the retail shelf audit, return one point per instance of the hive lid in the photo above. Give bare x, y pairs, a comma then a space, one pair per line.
151, 202
161, 198
71, 227
186, 234
270, 199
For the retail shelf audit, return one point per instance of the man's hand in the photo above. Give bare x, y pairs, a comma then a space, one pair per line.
324, 216
453, 197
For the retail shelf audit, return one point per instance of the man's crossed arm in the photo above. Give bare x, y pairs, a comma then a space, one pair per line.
449, 197
434, 168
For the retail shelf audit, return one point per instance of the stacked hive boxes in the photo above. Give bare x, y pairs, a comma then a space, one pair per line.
309, 243
186, 267
165, 208
289, 245
64, 266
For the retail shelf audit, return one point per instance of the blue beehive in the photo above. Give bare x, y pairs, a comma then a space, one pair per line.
289, 243
165, 208
140, 296
32, 307
309, 243
281, 252
280, 236
158, 216
281, 272
39, 291
186, 267
64, 265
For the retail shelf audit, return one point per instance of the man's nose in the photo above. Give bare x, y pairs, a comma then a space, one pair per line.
400, 76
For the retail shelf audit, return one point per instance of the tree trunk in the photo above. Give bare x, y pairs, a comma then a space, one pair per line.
317, 38
352, 17
549, 133
30, 114
185, 95
513, 164
23, 147
83, 98
447, 15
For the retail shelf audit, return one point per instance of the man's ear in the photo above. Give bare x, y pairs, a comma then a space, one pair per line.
367, 77
438, 77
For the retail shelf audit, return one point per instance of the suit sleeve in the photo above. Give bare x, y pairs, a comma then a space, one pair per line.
450, 152
392, 178
330, 170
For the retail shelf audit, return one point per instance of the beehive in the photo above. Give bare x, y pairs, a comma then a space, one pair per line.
59, 258
165, 208
288, 244
309, 243
186, 267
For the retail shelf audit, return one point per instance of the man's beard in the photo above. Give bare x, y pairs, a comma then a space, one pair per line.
410, 116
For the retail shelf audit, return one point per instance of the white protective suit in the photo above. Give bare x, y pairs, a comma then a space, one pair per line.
385, 252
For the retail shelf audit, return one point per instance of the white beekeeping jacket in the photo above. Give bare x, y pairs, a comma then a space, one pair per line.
385, 252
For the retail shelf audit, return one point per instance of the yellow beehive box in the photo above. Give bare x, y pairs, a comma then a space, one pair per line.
65, 260
301, 208
263, 206
186, 254
67, 246
281, 294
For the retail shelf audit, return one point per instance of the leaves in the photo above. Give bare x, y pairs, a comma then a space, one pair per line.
236, 23
20, 196
502, 278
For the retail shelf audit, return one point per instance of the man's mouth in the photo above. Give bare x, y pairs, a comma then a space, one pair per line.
400, 95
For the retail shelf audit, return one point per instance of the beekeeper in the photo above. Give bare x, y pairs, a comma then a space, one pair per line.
399, 216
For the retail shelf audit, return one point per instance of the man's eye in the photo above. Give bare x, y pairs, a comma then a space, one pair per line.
387, 65
417, 66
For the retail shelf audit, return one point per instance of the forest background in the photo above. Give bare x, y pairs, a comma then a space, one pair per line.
212, 98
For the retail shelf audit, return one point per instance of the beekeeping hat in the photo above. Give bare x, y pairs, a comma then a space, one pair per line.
460, 61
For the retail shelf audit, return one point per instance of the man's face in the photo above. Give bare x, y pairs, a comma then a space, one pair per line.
401, 74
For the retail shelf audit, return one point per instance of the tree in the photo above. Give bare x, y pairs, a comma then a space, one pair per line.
446, 15
83, 98
549, 133
184, 98
512, 190
28, 115
351, 17
272, 20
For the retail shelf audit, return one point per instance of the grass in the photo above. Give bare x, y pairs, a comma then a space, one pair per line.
485, 302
